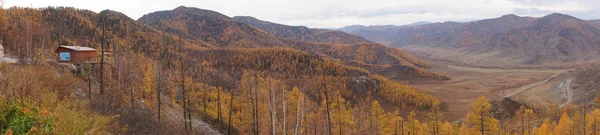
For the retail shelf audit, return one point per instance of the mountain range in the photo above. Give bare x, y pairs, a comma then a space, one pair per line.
195, 24
509, 40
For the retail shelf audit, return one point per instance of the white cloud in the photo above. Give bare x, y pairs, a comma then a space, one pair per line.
338, 13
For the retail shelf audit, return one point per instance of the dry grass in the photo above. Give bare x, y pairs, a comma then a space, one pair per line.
41, 88
469, 83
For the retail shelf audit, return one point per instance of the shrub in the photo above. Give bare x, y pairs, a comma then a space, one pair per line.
20, 119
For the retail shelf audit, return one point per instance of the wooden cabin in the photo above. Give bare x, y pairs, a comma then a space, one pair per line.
75, 54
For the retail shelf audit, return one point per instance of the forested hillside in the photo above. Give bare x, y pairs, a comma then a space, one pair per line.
193, 24
152, 76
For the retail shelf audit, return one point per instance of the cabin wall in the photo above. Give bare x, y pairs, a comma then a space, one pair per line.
76, 56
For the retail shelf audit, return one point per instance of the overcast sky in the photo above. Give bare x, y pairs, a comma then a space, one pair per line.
338, 13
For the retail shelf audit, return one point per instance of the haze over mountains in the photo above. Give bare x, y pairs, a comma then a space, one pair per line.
555, 39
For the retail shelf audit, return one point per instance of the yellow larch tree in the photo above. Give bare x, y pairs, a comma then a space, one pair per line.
564, 125
544, 128
593, 120
148, 86
378, 117
481, 120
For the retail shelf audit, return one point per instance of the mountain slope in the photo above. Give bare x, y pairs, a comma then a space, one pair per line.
595, 23
215, 28
355, 51
551, 41
447, 34
301, 33
556, 38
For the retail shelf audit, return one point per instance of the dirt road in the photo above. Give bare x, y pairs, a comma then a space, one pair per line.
566, 87
529, 86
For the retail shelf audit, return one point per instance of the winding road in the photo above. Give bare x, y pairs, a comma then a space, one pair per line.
566, 87
529, 86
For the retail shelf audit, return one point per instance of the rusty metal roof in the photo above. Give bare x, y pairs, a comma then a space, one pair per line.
79, 48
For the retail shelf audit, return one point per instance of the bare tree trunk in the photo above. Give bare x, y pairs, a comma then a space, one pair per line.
370, 122
272, 110
160, 86
251, 91
396, 127
482, 124
117, 65
90, 83
131, 86
300, 98
402, 127
189, 112
254, 100
185, 120
219, 104
583, 120
102, 55
358, 120
303, 117
230, 112
204, 98
327, 109
339, 108
284, 117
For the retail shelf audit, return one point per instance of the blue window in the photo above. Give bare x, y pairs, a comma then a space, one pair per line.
65, 56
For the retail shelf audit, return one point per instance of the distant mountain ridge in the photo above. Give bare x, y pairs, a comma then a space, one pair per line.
509, 40
350, 29
556, 38
301, 33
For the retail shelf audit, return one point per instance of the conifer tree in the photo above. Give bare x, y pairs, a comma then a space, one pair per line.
564, 126
480, 119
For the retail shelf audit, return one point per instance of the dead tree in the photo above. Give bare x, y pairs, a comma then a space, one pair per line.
159, 78
103, 21
327, 109
90, 82
131, 84
182, 81
272, 111
230, 111
219, 104
299, 104
254, 102
284, 117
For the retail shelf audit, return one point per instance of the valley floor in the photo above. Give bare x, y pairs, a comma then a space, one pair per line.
469, 83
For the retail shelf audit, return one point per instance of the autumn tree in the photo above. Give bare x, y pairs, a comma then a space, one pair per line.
378, 118
148, 86
525, 118
395, 123
564, 126
435, 117
413, 124
480, 119
593, 120
545, 128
